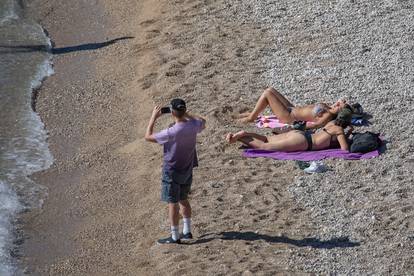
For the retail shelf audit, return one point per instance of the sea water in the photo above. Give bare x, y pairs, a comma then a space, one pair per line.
25, 60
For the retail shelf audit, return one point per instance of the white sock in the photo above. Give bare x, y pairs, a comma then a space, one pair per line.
187, 225
174, 233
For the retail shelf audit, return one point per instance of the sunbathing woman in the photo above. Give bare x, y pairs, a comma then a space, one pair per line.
316, 115
296, 140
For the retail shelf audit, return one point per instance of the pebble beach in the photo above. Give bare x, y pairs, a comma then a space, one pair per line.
260, 216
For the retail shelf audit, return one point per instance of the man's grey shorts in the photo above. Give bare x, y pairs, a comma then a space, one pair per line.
175, 186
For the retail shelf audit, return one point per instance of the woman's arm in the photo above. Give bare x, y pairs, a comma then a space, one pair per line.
343, 141
320, 121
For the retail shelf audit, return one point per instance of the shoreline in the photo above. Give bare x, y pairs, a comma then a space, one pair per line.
86, 108
251, 216
43, 243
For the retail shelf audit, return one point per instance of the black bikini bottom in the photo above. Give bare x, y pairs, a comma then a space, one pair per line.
308, 137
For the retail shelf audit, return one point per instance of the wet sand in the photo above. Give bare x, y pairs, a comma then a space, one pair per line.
103, 214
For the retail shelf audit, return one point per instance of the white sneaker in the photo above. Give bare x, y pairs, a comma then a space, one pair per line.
316, 167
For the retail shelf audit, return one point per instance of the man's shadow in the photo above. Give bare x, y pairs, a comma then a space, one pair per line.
341, 242
6, 49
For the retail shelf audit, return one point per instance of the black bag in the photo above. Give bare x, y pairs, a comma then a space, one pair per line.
299, 125
365, 142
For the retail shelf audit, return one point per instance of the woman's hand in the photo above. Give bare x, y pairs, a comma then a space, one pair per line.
350, 130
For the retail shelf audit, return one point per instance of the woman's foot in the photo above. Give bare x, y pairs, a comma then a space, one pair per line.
245, 120
241, 115
230, 138
233, 137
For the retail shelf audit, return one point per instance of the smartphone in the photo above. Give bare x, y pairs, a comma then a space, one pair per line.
165, 110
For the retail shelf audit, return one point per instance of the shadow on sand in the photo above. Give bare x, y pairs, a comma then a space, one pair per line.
5, 49
342, 242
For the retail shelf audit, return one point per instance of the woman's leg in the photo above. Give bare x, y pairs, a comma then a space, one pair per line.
241, 115
250, 139
232, 138
281, 98
269, 98
290, 141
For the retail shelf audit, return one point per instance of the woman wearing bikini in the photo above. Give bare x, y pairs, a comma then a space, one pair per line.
295, 140
316, 115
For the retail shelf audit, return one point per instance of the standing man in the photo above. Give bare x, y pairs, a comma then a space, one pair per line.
180, 157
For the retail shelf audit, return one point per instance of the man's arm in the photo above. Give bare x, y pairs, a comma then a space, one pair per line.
197, 117
156, 113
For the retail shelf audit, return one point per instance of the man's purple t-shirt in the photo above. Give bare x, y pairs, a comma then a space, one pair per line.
179, 143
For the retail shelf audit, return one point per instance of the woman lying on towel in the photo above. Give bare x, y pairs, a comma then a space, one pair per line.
295, 140
317, 115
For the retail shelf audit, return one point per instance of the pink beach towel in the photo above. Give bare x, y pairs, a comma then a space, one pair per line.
270, 121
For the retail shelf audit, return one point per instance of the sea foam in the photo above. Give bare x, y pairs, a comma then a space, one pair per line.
23, 138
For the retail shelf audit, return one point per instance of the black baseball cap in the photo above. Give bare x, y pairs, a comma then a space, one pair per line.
178, 104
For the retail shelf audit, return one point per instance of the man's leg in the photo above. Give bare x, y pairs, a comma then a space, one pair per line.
186, 179
186, 213
174, 216
170, 194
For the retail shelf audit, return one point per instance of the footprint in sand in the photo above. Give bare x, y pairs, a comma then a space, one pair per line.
174, 73
239, 52
210, 76
226, 109
185, 88
148, 23
152, 34
148, 80
406, 209
207, 64
175, 69
183, 62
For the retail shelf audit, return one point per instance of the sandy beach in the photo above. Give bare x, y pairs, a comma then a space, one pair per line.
260, 216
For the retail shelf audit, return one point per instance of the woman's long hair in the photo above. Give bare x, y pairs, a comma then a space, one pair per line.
344, 118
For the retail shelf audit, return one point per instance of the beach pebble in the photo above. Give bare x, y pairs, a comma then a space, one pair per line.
247, 273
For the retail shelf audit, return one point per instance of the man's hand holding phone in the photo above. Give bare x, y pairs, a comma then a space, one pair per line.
156, 112
165, 110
